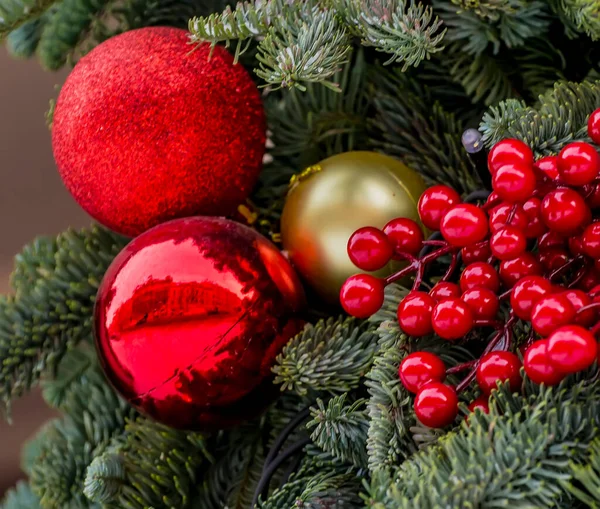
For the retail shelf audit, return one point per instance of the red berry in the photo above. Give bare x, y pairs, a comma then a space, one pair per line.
482, 301
369, 248
499, 217
564, 211
362, 295
552, 239
452, 319
551, 312
514, 182
479, 274
578, 300
434, 203
526, 293
590, 279
572, 348
414, 314
553, 258
523, 265
575, 244
578, 163
481, 403
476, 253
509, 151
498, 366
508, 243
405, 235
594, 126
444, 290
464, 224
535, 227
436, 405
592, 195
420, 368
548, 166
537, 364
590, 240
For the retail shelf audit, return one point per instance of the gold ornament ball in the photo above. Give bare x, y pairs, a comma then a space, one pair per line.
328, 202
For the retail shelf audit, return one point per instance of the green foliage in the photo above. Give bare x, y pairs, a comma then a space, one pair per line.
13, 13
585, 474
20, 497
330, 356
486, 8
578, 16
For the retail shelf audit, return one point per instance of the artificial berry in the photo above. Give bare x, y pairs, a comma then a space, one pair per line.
405, 235
578, 163
514, 182
553, 258
551, 312
572, 348
535, 227
526, 293
483, 302
575, 244
548, 166
464, 224
498, 366
594, 126
452, 319
590, 279
590, 240
414, 314
579, 299
444, 290
436, 405
508, 243
481, 403
369, 248
538, 366
523, 265
492, 200
564, 211
552, 239
592, 195
475, 253
480, 274
434, 203
420, 368
362, 295
499, 217
509, 151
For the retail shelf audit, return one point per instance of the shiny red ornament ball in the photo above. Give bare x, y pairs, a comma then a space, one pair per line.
483, 302
564, 211
434, 203
537, 364
479, 274
444, 290
481, 403
405, 235
514, 183
551, 312
190, 317
146, 130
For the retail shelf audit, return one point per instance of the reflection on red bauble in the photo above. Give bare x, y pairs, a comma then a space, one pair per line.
190, 317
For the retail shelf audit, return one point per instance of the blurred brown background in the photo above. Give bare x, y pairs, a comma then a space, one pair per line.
32, 202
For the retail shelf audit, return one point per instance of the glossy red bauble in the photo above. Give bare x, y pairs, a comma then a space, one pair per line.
564, 211
499, 217
405, 235
538, 366
579, 299
479, 274
190, 317
444, 290
509, 151
420, 368
464, 224
550, 312
514, 183
526, 293
362, 295
434, 203
476, 253
578, 163
548, 166
369, 248
498, 366
508, 243
590, 240
452, 319
436, 405
414, 314
482, 301
146, 130
572, 348
511, 271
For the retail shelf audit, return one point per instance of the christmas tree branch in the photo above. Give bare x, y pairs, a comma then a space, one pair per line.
579, 16
20, 497
585, 474
13, 13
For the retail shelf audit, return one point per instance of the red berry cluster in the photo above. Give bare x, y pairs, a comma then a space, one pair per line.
531, 252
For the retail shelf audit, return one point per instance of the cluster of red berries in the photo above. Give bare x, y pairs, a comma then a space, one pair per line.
534, 244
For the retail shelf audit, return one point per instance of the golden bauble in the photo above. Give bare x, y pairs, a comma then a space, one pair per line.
330, 201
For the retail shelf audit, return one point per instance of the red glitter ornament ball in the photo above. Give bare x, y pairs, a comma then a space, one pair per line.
190, 317
146, 130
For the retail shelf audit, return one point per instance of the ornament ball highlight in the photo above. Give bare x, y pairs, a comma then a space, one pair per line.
147, 129
190, 317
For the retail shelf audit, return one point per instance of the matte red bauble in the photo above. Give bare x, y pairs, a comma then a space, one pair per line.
146, 130
190, 317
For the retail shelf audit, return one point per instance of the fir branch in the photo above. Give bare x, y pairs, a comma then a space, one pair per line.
20, 497
330, 356
410, 35
23, 41
579, 16
486, 8
13, 13
541, 64
341, 429
585, 474
411, 126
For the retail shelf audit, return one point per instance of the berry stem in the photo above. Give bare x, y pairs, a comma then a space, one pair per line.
461, 367
451, 267
558, 272
418, 265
